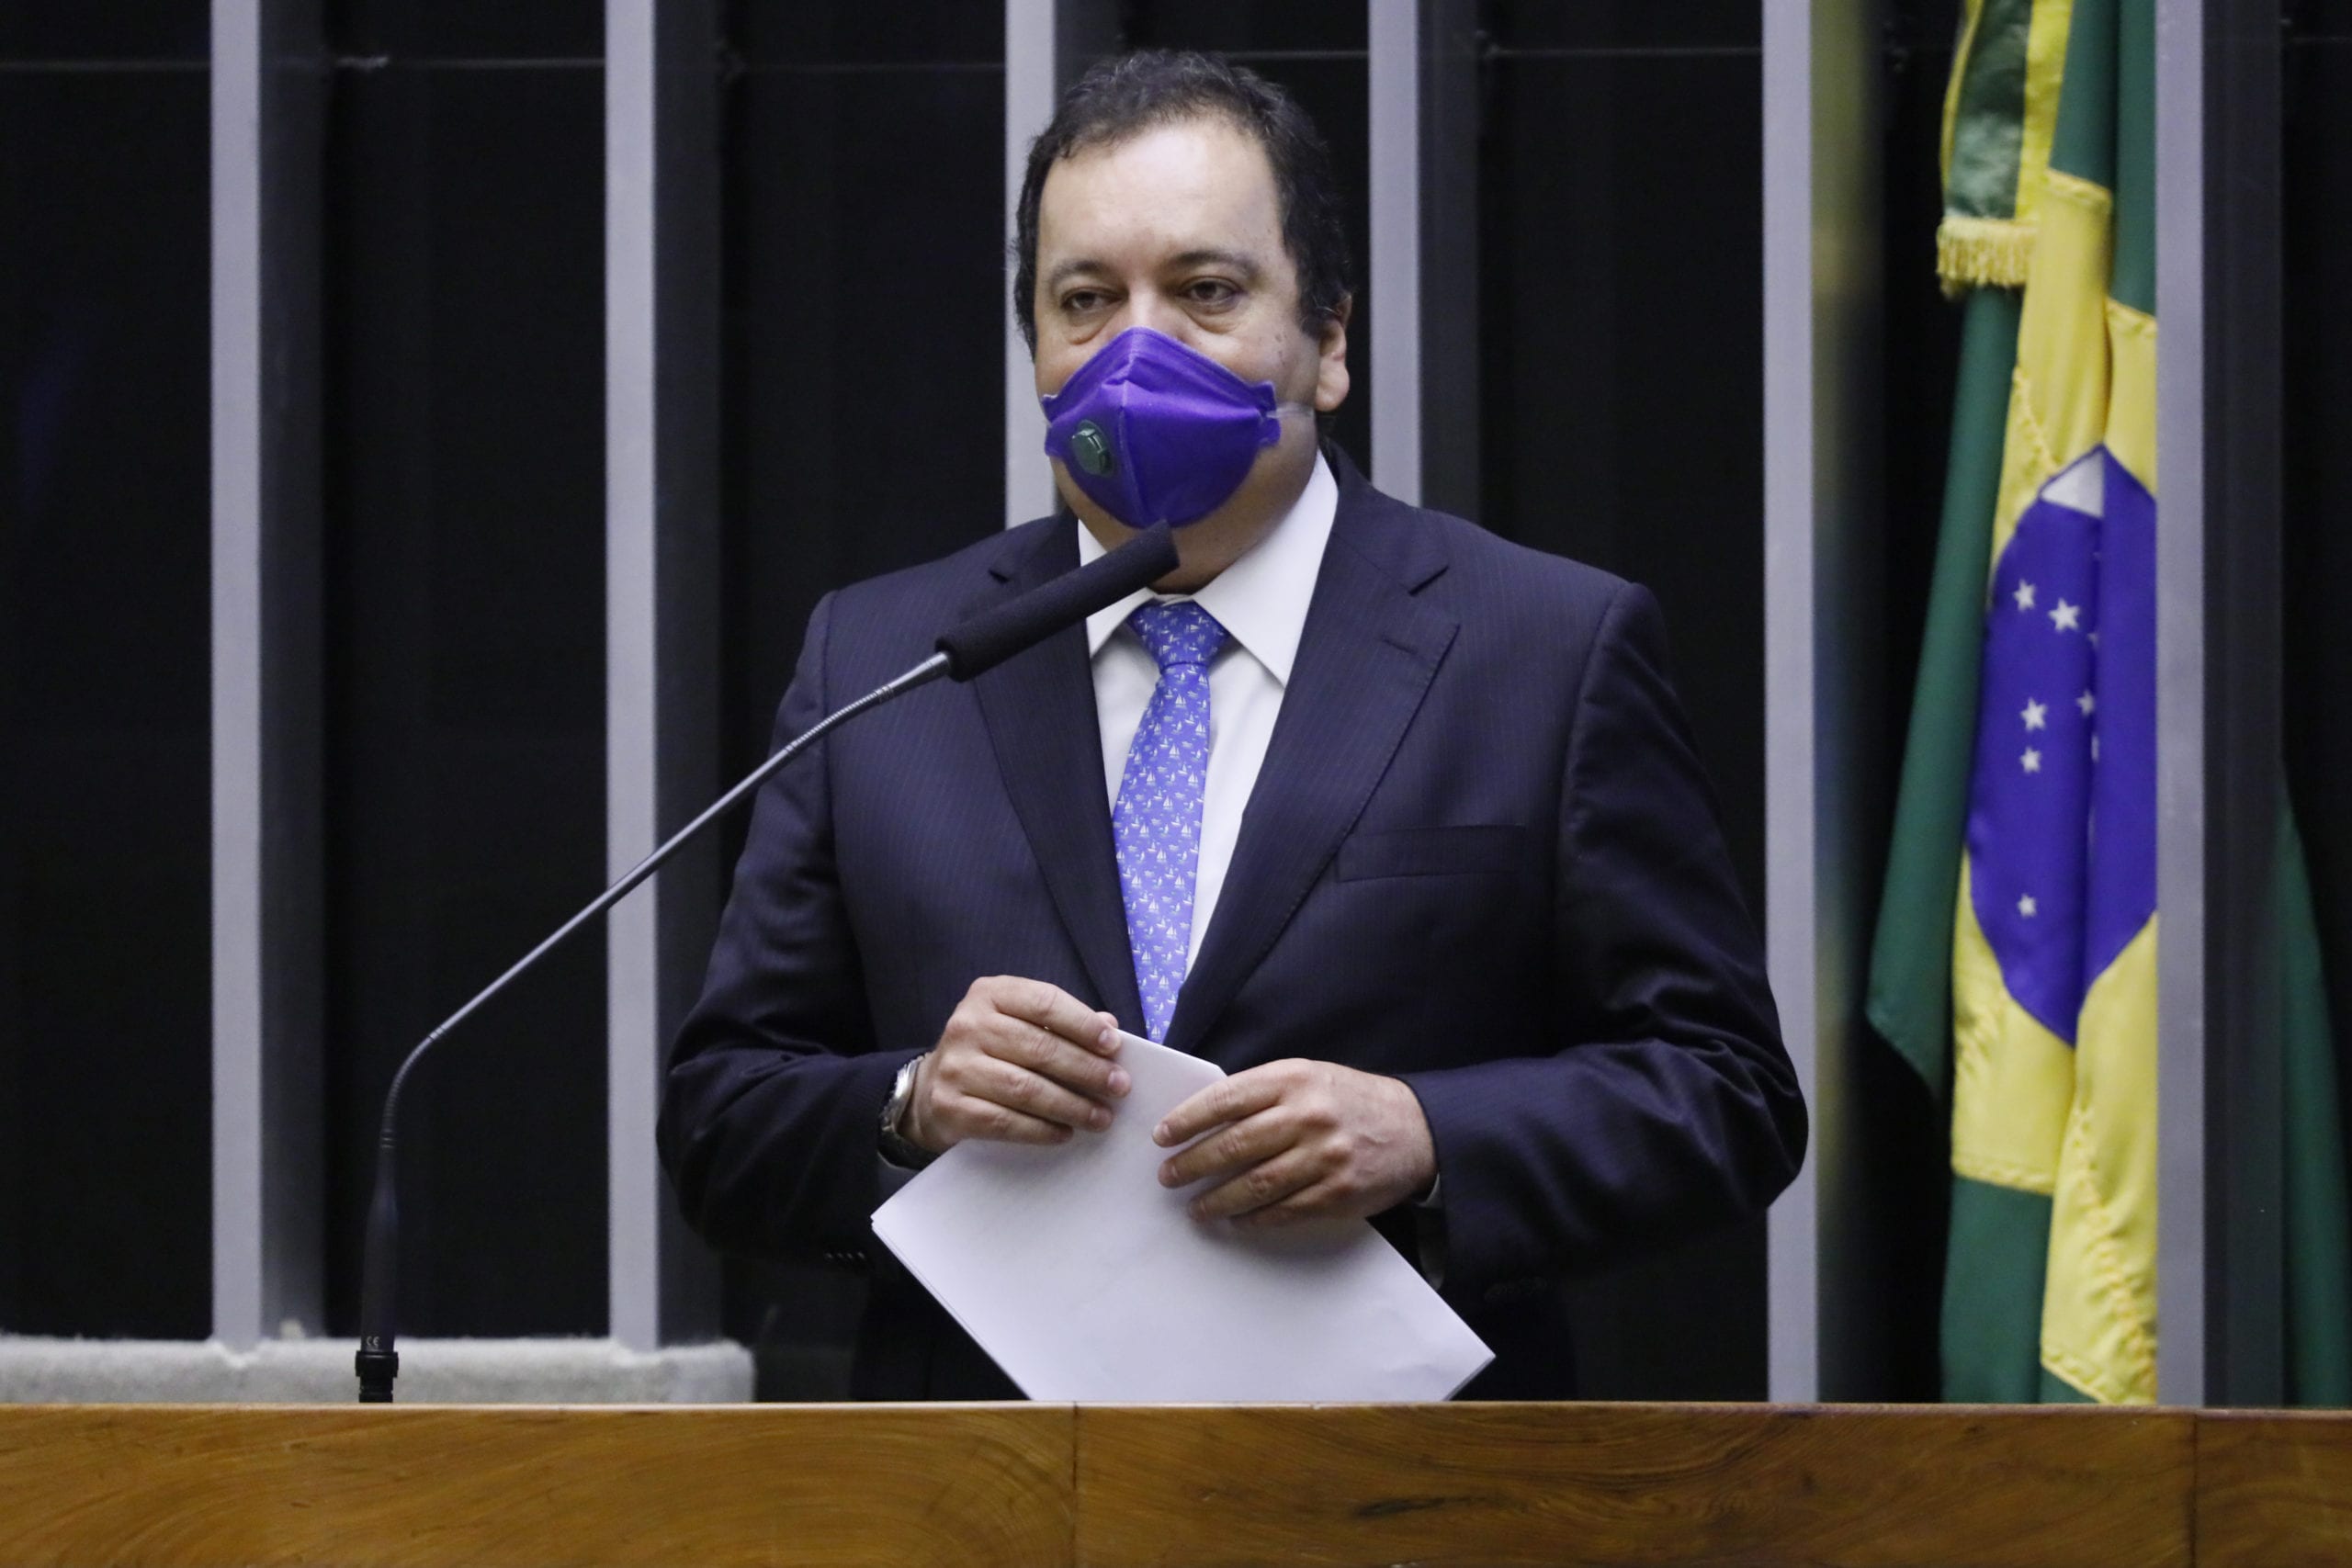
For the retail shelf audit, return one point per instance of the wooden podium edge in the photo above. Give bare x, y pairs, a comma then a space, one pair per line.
1037, 1487
1635, 1485
2273, 1488
513, 1486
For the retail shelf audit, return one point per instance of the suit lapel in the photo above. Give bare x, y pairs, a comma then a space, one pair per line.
1366, 658
1039, 708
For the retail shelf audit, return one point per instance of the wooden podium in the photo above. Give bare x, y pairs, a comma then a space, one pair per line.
1033, 1486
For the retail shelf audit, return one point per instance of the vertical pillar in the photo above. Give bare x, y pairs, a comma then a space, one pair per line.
1393, 35
1029, 89
2181, 1261
1822, 515
2221, 1253
661, 661
1424, 270
632, 796
1448, 313
2245, 1148
1047, 44
237, 1265
266, 1112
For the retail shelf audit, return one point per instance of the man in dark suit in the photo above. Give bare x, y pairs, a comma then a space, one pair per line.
1397, 823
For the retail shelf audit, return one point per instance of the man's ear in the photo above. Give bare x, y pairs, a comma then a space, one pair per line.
1331, 347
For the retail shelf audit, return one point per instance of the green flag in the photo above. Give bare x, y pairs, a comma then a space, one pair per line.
2318, 1241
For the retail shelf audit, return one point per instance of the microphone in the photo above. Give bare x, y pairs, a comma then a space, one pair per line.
994, 636
973, 648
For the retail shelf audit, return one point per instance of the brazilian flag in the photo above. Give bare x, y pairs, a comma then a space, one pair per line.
2015, 962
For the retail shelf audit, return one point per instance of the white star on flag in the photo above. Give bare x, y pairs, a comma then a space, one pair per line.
2036, 717
2025, 595
2032, 761
2065, 616
2026, 907
2086, 702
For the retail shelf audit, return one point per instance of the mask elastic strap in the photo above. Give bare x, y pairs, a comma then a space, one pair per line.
1280, 411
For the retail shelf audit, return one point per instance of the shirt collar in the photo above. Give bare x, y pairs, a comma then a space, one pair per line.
1260, 600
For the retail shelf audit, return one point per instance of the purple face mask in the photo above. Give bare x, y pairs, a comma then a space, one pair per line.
1154, 432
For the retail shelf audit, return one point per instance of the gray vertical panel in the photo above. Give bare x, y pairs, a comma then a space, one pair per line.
1395, 99
1030, 42
631, 736
1047, 44
662, 289
687, 289
1822, 506
1789, 861
2220, 1244
293, 1090
1451, 48
2243, 1179
267, 1151
237, 403
2181, 1260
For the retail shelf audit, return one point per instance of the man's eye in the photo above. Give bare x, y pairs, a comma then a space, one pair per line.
1211, 291
1080, 301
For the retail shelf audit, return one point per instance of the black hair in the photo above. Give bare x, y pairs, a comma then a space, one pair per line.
1129, 94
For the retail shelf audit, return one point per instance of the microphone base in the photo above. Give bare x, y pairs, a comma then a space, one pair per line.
377, 1369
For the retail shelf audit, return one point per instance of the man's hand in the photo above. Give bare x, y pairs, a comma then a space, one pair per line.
1021, 1062
1299, 1140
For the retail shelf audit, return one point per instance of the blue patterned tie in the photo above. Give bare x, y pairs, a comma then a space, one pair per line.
1157, 821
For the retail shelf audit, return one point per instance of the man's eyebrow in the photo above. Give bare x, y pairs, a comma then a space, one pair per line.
1234, 261
1239, 261
1070, 269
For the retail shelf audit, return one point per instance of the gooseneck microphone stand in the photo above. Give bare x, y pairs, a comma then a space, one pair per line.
379, 1363
978, 645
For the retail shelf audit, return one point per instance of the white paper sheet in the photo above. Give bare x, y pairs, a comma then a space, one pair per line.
1086, 1279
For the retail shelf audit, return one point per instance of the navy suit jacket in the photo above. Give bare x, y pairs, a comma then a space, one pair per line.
1480, 856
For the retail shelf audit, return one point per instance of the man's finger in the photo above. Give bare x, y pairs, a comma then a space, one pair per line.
984, 1119
1319, 1200
1228, 1100
1244, 1143
1040, 1051
1051, 1007
1256, 1189
1020, 1090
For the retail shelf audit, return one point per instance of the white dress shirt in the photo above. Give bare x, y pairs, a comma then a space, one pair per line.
1260, 600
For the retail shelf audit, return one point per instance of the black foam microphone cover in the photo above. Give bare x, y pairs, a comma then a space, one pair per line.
991, 637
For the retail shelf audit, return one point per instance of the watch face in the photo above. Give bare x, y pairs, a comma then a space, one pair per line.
895, 1144
895, 1107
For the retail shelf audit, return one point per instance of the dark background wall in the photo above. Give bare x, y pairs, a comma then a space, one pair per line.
463, 364
1621, 250
862, 365
2316, 392
862, 281
104, 699
1901, 1132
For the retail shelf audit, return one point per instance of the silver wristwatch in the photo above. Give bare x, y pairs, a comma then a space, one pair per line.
893, 1144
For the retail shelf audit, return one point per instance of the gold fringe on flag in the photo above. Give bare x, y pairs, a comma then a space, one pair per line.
1981, 253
